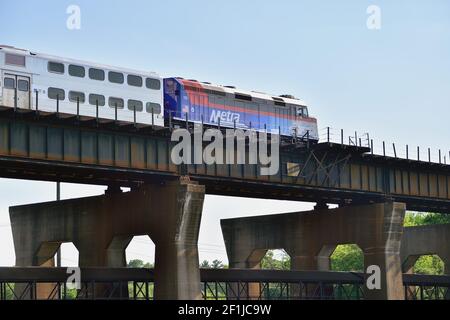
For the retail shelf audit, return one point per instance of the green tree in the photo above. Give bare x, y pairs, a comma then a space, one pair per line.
136, 263
269, 261
217, 264
429, 264
419, 219
347, 257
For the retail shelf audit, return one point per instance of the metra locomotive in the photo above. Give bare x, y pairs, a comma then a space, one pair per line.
228, 107
143, 97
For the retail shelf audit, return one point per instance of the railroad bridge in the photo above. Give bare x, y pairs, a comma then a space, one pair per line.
372, 193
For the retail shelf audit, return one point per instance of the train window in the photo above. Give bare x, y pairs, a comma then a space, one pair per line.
302, 112
279, 102
75, 96
115, 77
77, 71
55, 93
243, 97
215, 92
94, 98
55, 67
14, 59
153, 107
154, 84
23, 85
9, 83
115, 102
96, 74
135, 105
134, 81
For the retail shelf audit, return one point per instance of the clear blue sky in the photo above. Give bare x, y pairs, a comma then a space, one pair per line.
393, 83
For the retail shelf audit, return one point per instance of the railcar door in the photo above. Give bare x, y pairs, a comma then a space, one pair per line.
16, 91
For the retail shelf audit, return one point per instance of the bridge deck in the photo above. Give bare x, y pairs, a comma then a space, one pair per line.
52, 148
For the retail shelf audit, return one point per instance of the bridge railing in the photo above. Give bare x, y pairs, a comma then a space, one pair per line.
382, 148
217, 284
327, 134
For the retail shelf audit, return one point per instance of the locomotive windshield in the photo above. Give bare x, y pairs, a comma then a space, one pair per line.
302, 112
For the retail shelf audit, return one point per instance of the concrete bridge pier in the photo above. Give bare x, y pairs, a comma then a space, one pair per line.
101, 228
311, 237
425, 240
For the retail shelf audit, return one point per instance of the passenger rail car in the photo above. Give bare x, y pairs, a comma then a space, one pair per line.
136, 95
225, 106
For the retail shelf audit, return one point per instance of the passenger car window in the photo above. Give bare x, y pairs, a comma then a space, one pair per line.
96, 74
74, 95
55, 67
154, 84
77, 71
153, 107
23, 85
116, 101
135, 105
94, 98
115, 77
55, 93
134, 81
9, 83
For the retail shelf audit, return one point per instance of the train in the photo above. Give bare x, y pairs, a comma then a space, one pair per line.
31, 80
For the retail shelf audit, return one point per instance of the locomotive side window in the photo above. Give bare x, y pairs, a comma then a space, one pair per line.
134, 81
77, 71
9, 83
279, 102
115, 77
96, 74
300, 112
96, 98
55, 93
153, 108
243, 97
55, 67
135, 105
75, 96
153, 84
23, 85
116, 102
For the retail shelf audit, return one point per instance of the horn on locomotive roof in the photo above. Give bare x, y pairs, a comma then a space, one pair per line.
288, 96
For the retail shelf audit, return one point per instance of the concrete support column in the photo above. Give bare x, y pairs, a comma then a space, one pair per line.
391, 275
177, 273
382, 249
426, 240
244, 259
311, 237
101, 228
